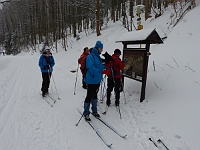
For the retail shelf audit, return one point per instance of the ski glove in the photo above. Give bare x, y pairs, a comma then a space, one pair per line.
46, 67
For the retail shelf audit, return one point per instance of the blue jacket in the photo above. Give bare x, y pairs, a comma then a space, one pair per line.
43, 63
94, 68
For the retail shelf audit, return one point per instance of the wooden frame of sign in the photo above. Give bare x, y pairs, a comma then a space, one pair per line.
136, 58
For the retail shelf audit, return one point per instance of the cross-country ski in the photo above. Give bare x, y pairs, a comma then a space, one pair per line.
97, 131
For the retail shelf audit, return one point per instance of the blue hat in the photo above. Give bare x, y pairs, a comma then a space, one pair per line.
99, 44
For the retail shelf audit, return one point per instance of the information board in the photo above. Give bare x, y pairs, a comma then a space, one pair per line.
133, 64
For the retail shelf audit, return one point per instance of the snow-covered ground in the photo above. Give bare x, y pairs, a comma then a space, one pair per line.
170, 111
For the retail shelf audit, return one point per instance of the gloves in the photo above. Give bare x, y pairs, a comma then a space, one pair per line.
46, 67
106, 71
108, 58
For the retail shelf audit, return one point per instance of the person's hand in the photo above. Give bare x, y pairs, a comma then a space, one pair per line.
106, 71
46, 67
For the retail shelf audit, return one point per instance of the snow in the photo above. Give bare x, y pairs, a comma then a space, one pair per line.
136, 35
170, 111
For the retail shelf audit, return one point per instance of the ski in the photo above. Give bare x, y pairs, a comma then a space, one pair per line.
48, 102
110, 127
53, 99
45, 98
97, 131
150, 139
160, 141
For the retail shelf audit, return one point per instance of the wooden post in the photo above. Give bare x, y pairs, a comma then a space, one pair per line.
144, 76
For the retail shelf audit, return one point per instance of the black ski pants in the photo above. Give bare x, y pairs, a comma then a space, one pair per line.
45, 81
116, 84
83, 82
92, 91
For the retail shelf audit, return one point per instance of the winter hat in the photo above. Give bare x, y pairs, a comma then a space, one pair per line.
47, 48
117, 51
99, 44
85, 49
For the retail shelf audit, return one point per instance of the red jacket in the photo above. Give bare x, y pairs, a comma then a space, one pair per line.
115, 67
81, 60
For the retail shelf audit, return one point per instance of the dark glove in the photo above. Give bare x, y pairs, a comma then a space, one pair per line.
108, 58
46, 67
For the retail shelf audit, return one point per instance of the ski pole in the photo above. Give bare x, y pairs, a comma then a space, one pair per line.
76, 80
123, 91
120, 115
102, 89
55, 86
80, 118
101, 93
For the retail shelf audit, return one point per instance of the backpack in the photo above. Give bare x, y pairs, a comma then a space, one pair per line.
83, 65
110, 69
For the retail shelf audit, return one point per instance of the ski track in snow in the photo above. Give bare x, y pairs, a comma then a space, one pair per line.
7, 109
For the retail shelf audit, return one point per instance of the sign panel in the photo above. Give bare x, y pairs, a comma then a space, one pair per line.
133, 64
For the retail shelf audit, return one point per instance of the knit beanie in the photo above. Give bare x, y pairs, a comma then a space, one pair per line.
99, 44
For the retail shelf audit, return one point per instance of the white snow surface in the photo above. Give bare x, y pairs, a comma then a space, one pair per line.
170, 111
138, 35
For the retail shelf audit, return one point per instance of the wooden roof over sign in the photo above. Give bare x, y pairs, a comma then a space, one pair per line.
143, 36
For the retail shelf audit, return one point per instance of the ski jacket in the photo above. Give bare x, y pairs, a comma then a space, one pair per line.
81, 61
94, 68
46, 61
114, 68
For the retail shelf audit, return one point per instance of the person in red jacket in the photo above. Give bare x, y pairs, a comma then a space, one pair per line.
114, 72
81, 61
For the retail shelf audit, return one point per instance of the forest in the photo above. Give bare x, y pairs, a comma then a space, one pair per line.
26, 23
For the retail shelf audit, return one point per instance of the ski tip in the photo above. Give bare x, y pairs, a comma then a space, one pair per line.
109, 145
104, 113
124, 136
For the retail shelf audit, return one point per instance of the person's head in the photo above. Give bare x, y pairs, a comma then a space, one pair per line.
86, 50
47, 50
117, 51
99, 46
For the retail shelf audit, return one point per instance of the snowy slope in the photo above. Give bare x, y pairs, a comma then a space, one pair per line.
169, 112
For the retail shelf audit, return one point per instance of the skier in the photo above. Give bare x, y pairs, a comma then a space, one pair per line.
81, 61
46, 63
93, 79
114, 72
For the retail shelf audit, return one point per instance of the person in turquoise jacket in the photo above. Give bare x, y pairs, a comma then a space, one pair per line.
46, 63
93, 79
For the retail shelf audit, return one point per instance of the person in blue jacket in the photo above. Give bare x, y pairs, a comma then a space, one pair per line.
46, 63
93, 79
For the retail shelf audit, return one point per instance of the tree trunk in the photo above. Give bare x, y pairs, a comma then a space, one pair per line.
97, 18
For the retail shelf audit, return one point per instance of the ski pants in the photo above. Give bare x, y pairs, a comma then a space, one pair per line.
45, 81
116, 84
91, 97
83, 82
